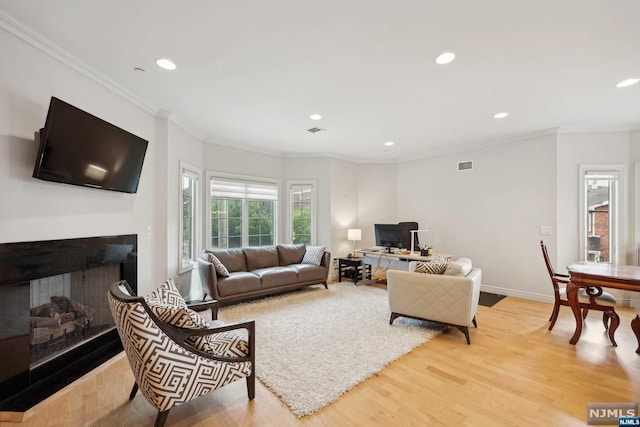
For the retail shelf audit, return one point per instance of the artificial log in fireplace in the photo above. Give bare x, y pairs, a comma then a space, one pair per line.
55, 323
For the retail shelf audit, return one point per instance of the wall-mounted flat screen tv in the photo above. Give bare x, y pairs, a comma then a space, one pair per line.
79, 148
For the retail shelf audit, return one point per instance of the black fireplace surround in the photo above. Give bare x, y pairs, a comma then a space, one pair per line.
34, 362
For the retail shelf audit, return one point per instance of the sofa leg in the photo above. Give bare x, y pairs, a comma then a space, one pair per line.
393, 317
465, 331
325, 284
475, 324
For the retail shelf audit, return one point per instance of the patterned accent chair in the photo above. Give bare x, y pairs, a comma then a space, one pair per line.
168, 369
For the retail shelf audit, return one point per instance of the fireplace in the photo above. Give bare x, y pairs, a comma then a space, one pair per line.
55, 323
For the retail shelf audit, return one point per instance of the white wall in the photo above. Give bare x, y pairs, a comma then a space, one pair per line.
491, 214
38, 210
344, 205
182, 147
581, 149
377, 199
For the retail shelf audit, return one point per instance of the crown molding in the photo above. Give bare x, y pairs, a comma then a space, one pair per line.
40, 42
48, 47
595, 129
443, 151
188, 127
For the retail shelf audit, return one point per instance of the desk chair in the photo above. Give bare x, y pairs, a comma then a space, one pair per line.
592, 298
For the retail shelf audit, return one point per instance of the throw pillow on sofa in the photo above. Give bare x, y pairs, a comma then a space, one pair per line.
221, 270
313, 255
436, 266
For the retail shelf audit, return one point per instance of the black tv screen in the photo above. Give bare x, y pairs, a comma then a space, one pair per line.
396, 235
81, 149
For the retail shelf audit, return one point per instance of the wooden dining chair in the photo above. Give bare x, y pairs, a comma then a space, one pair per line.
592, 298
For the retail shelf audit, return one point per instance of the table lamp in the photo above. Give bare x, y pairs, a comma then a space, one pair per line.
354, 234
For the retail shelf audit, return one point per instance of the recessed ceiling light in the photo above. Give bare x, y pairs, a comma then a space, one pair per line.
388, 143
627, 82
315, 117
501, 115
445, 58
165, 63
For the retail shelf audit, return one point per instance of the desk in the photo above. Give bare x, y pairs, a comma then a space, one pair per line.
589, 274
395, 261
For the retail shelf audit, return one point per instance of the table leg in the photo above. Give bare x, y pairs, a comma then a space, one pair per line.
635, 326
572, 296
339, 271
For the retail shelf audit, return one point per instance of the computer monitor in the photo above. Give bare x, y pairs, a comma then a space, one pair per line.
395, 235
405, 234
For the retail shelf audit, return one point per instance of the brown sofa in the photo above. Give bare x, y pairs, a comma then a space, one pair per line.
261, 270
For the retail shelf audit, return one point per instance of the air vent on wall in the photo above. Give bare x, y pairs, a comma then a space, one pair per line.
465, 166
314, 130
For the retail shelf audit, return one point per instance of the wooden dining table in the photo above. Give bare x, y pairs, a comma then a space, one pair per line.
594, 275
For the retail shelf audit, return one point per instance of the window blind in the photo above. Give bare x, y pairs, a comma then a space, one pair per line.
235, 189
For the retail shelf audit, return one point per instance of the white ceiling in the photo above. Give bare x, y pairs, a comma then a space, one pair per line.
251, 72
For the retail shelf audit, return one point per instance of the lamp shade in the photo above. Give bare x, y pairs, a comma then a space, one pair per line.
354, 234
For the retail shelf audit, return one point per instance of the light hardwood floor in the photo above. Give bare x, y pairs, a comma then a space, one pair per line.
514, 373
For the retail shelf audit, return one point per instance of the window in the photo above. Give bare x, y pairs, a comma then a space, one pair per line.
189, 222
600, 213
302, 212
243, 212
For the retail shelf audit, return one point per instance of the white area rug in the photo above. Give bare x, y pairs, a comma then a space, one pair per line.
313, 345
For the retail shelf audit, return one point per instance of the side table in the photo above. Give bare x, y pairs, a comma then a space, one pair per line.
353, 268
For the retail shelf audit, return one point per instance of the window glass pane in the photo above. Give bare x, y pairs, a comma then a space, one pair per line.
600, 216
261, 222
189, 221
188, 235
242, 213
301, 196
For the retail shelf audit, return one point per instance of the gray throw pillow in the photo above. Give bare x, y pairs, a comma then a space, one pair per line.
221, 270
313, 255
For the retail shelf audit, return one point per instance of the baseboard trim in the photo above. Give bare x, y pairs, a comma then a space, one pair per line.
625, 301
515, 293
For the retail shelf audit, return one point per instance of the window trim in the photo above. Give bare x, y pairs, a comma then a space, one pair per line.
314, 209
621, 217
223, 175
193, 172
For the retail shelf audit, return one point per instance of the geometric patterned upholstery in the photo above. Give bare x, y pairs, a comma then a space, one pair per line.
167, 373
184, 318
168, 304
227, 344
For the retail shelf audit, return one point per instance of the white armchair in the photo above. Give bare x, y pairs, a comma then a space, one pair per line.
450, 298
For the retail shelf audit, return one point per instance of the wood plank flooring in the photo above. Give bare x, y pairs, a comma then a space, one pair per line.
514, 373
